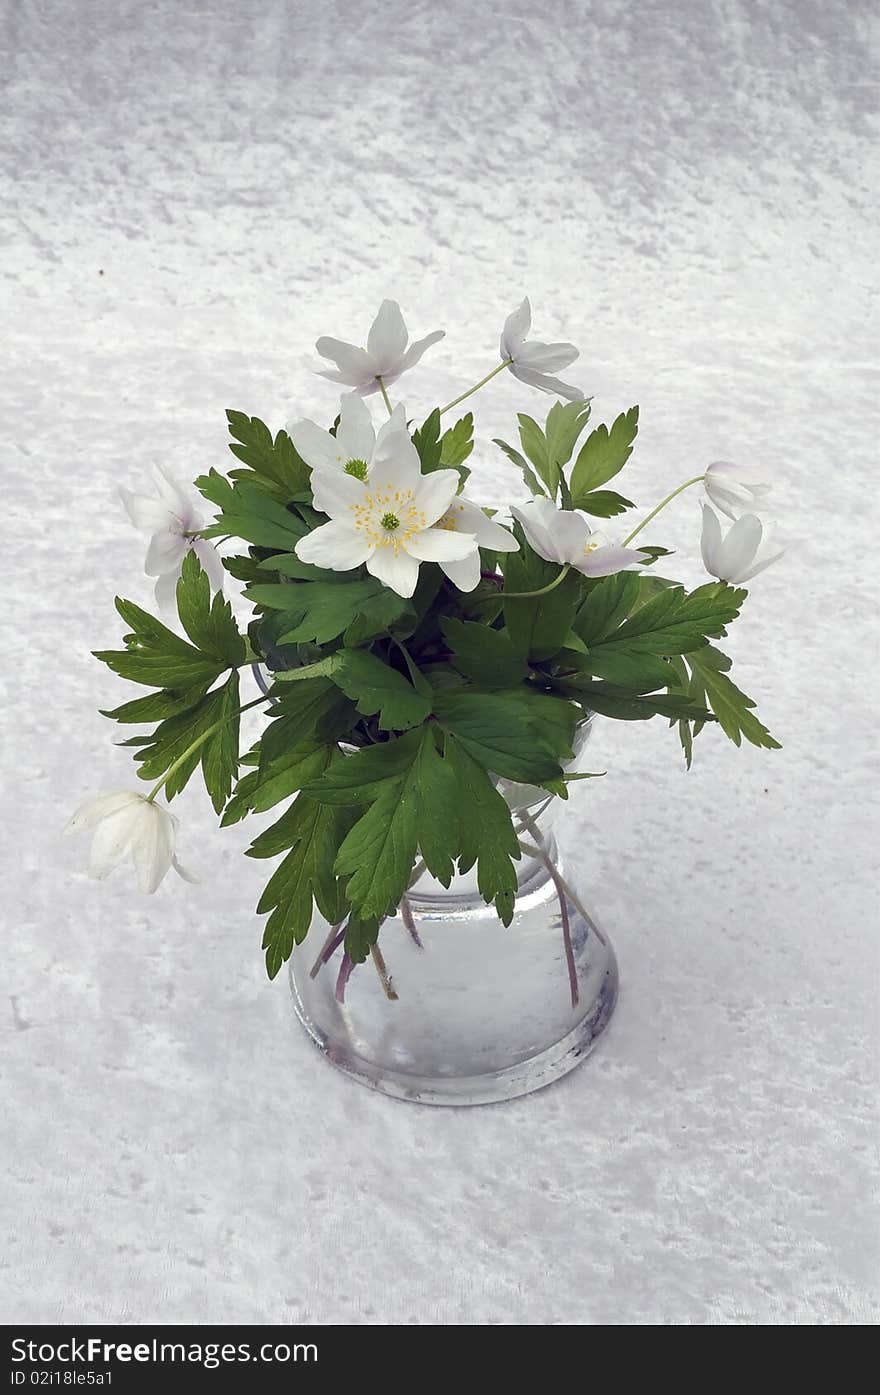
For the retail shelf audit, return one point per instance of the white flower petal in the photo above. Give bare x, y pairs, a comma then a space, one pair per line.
113, 837
336, 493
99, 807
166, 591
606, 561
464, 574
396, 422
144, 512
210, 562
470, 518
398, 571
387, 338
355, 435
516, 327
546, 383
185, 872
546, 358
710, 541
763, 561
537, 519
171, 491
571, 532
395, 464
416, 350
440, 545
354, 366
316, 446
152, 846
435, 492
165, 553
739, 549
335, 545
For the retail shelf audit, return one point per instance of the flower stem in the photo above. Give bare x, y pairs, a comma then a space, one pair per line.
476, 387
384, 977
199, 741
543, 591
662, 505
384, 394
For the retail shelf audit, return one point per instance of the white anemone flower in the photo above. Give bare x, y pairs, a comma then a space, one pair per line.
355, 442
387, 522
172, 518
386, 355
566, 536
733, 490
127, 822
532, 362
465, 517
746, 550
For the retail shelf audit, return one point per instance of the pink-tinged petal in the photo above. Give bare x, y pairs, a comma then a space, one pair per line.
440, 545
113, 838
355, 435
94, 810
516, 327
547, 384
386, 341
166, 592
399, 572
739, 549
764, 562
710, 541
355, 365
336, 493
152, 847
606, 561
416, 350
546, 358
316, 446
337, 546
435, 492
470, 518
464, 574
165, 553
210, 562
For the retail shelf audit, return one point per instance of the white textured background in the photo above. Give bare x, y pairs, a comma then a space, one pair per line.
192, 194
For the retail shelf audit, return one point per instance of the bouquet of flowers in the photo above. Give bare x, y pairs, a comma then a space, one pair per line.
420, 658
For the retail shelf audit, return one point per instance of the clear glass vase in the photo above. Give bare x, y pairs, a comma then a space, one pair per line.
456, 1008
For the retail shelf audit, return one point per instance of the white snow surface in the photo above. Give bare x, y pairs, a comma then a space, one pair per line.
192, 194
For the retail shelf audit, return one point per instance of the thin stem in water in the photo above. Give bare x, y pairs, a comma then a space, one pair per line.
662, 505
563, 911
476, 387
409, 921
384, 977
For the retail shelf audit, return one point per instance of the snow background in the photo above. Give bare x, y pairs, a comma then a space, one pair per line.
192, 195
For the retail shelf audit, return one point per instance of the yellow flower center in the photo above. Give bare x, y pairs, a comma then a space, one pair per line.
388, 517
358, 468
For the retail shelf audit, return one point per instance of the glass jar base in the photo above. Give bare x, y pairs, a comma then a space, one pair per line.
482, 1012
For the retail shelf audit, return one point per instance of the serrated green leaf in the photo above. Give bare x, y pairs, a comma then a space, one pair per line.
360, 936
486, 831
249, 513
378, 688
359, 778
484, 655
602, 503
730, 705
457, 443
610, 600
674, 622
154, 707
156, 656
274, 460
324, 610
427, 443
538, 627
208, 622
531, 480
520, 734
219, 754
603, 455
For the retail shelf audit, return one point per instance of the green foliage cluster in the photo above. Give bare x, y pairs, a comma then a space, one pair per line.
390, 721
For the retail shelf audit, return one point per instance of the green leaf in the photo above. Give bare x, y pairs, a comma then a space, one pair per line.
484, 655
531, 479
274, 461
486, 832
457, 443
613, 701
208, 623
565, 422
288, 564
603, 455
249, 513
378, 688
534, 443
360, 936
378, 853
324, 610
522, 735
603, 503
218, 754
156, 656
360, 777
277, 779
427, 442
730, 705
313, 833
609, 601
154, 707
673, 622
538, 627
